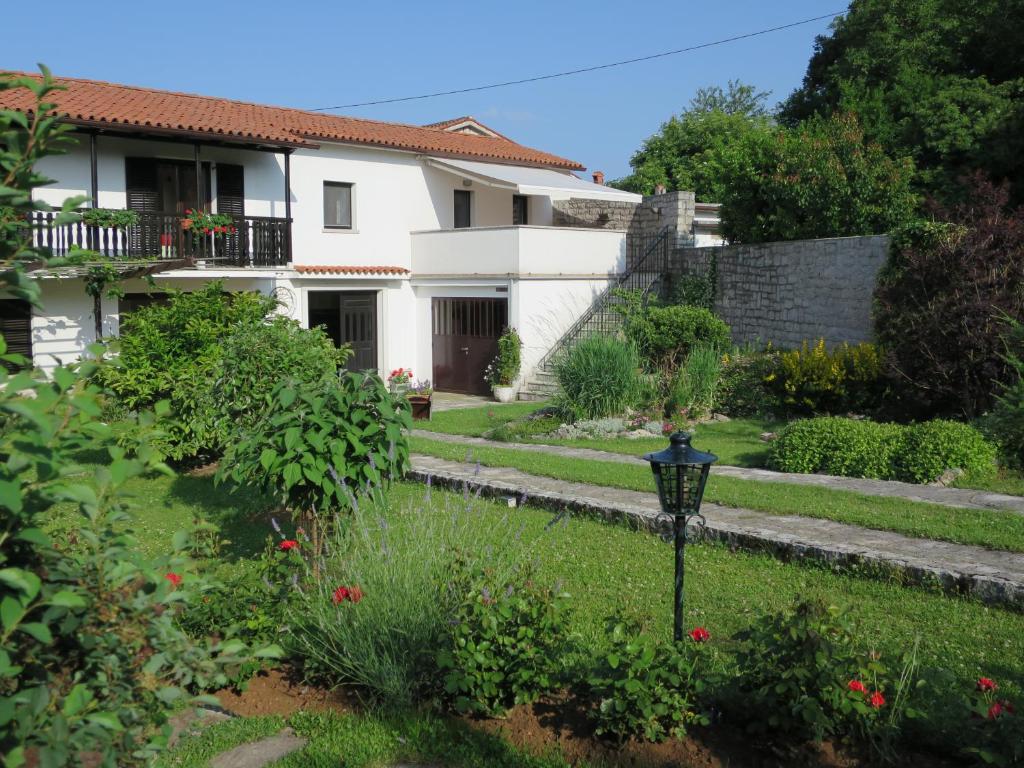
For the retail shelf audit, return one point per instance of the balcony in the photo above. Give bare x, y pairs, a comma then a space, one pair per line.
519, 251
259, 242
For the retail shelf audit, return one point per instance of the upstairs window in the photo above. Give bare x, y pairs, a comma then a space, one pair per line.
463, 204
337, 205
520, 205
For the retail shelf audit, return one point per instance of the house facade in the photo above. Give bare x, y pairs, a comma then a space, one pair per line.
415, 244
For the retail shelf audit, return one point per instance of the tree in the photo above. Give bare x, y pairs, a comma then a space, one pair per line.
939, 81
686, 153
821, 179
946, 300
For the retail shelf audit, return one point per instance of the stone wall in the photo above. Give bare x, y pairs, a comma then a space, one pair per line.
788, 292
672, 209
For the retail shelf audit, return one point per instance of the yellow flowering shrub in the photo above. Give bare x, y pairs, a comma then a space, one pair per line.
815, 379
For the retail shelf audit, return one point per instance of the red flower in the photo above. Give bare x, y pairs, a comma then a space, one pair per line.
995, 710
288, 544
206, 230
856, 686
174, 578
700, 635
188, 211
355, 594
986, 684
877, 700
186, 223
340, 595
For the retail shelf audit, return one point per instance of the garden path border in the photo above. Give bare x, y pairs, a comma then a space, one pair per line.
949, 497
993, 576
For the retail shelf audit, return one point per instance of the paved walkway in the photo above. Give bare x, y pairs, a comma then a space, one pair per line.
950, 497
450, 401
992, 576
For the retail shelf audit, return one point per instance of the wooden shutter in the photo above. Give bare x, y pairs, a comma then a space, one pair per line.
141, 184
230, 190
16, 327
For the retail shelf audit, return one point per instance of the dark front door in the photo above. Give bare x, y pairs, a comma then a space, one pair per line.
465, 341
348, 317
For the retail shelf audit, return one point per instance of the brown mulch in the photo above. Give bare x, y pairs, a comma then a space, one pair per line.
278, 693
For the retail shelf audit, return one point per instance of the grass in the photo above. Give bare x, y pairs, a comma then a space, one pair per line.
987, 528
362, 741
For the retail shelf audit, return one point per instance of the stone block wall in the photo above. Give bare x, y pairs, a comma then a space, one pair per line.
789, 292
672, 209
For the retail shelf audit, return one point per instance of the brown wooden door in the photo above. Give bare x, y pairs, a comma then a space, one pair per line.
348, 317
465, 341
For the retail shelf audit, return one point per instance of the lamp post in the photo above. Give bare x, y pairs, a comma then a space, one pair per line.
680, 473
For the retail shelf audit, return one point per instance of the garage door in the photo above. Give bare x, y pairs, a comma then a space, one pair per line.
465, 341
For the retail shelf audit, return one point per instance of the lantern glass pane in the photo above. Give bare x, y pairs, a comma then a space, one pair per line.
680, 487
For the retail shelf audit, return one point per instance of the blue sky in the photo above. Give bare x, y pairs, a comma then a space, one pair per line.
314, 54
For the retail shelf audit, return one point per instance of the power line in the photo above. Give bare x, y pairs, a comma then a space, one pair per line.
582, 70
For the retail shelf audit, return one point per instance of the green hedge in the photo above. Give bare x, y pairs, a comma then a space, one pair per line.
918, 453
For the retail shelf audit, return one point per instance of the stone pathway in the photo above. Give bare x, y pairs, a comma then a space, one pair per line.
990, 575
950, 497
256, 754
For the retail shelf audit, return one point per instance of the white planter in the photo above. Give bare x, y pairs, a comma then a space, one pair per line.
504, 394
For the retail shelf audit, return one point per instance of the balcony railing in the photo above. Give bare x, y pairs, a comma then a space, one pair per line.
259, 241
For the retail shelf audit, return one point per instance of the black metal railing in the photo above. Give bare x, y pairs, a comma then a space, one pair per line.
258, 241
646, 264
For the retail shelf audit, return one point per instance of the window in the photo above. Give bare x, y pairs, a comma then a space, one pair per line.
337, 205
463, 203
16, 328
520, 204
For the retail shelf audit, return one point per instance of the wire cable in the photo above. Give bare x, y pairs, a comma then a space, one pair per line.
582, 70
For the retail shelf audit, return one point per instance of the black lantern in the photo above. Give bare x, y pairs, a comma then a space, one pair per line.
681, 472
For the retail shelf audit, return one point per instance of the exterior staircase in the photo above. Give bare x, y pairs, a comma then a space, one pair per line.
646, 265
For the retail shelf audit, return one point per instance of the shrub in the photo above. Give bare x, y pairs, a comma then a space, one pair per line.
665, 335
252, 360
645, 688
1006, 422
504, 369
813, 380
802, 676
317, 446
695, 386
743, 389
387, 597
918, 453
507, 645
943, 301
932, 447
599, 377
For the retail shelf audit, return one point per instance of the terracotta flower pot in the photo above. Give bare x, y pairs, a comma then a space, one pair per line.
420, 407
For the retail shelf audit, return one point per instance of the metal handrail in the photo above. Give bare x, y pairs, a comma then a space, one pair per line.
631, 279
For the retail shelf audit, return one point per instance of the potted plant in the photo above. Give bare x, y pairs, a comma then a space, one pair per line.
201, 223
398, 380
420, 396
503, 371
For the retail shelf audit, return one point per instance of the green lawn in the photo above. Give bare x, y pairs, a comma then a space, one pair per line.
988, 528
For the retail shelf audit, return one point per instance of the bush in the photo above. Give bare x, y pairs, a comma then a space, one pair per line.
388, 594
695, 386
599, 377
316, 446
944, 302
1006, 422
508, 645
252, 360
918, 453
995, 729
932, 447
504, 369
802, 676
814, 380
665, 335
743, 389
645, 688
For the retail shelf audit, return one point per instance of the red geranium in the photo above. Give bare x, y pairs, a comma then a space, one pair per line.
700, 635
986, 684
877, 700
857, 686
174, 578
340, 595
995, 710
288, 544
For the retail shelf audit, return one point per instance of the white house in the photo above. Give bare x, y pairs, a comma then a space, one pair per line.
416, 244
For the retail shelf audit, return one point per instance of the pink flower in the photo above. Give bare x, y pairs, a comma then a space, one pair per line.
700, 635
174, 578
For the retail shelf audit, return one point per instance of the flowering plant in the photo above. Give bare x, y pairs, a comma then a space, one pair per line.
400, 376
201, 223
996, 730
420, 388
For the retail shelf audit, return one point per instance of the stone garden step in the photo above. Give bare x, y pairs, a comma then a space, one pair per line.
989, 575
256, 754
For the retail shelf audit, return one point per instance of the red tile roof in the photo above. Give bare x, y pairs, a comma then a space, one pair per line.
317, 269
94, 103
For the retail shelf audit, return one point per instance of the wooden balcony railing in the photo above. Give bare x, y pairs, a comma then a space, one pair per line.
260, 241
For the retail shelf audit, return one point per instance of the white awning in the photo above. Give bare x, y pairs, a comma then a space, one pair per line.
530, 181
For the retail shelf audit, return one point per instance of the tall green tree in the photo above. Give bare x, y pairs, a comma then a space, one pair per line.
939, 81
686, 152
822, 179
